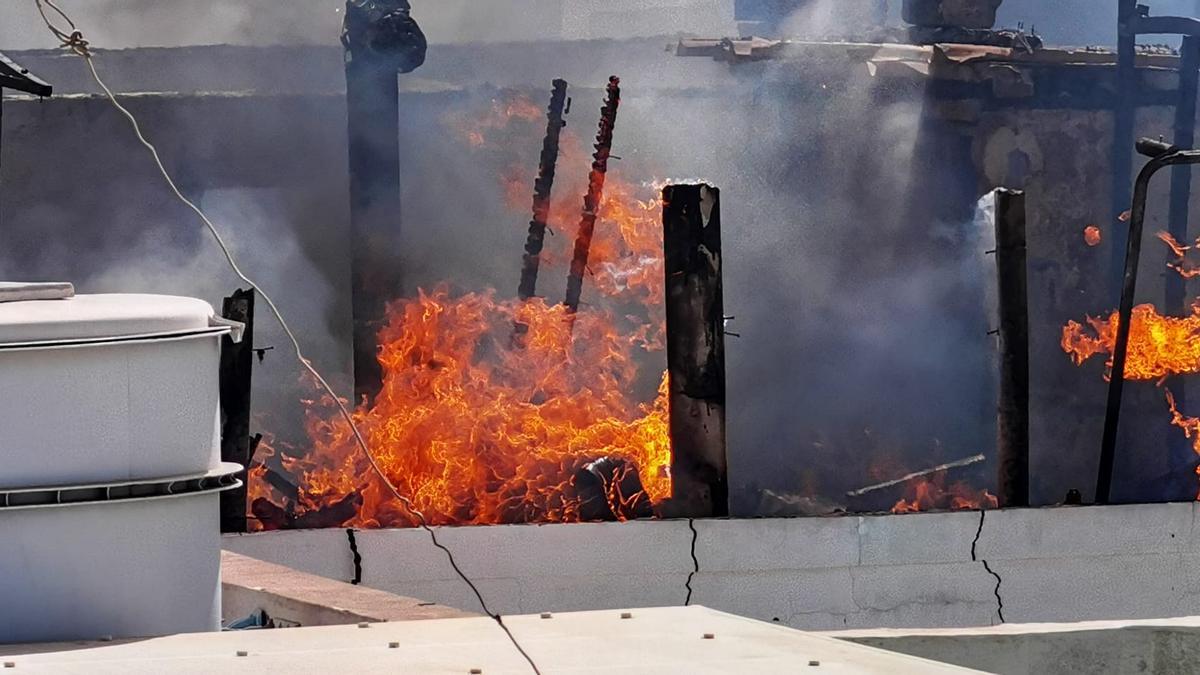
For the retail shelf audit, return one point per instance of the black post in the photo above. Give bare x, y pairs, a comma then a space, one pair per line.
381, 40
542, 190
1013, 413
695, 351
237, 371
1125, 106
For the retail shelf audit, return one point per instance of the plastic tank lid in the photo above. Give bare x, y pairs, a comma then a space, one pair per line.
100, 316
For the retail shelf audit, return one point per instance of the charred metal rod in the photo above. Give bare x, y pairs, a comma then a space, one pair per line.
1162, 155
919, 474
595, 194
541, 192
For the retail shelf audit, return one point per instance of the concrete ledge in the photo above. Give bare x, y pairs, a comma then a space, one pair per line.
1155, 647
248, 585
887, 571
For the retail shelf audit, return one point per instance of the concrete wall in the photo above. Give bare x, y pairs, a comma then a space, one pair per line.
925, 570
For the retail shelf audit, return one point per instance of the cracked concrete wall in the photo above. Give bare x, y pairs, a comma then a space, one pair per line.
1057, 564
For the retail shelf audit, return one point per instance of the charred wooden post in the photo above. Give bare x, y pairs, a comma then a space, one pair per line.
595, 194
542, 188
695, 350
1013, 414
237, 372
381, 40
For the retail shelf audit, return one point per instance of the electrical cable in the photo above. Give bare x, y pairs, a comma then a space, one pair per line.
77, 44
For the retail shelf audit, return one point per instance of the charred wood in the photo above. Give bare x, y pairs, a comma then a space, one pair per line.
543, 186
695, 351
236, 375
595, 194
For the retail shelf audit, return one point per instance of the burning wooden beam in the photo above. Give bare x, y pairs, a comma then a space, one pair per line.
542, 189
381, 40
695, 350
236, 374
1013, 412
595, 194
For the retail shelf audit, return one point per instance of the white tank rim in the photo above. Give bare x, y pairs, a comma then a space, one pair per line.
115, 341
211, 482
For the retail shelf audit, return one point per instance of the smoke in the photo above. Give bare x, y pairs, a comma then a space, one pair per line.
857, 292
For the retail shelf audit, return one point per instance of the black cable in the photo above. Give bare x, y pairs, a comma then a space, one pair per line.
357, 558
478, 596
695, 561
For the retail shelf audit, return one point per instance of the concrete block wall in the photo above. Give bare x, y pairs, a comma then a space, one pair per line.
922, 570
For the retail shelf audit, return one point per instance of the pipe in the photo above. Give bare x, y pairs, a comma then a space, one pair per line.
1162, 156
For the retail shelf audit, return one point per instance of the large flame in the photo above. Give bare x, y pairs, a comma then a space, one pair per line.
495, 410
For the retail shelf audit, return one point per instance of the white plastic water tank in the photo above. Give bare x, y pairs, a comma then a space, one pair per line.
109, 444
107, 388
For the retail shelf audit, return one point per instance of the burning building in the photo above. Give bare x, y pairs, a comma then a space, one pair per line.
573, 277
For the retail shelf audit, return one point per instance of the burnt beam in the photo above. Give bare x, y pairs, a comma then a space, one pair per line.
542, 189
381, 40
595, 194
695, 351
1013, 410
236, 376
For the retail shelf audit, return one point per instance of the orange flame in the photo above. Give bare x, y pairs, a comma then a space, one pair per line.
478, 423
1159, 345
1092, 235
931, 494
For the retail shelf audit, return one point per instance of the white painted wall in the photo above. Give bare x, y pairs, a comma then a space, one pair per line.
1062, 564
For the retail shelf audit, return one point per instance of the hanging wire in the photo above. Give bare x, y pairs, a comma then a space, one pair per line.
75, 42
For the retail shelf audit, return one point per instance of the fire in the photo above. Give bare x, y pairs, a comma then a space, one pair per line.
1190, 426
1159, 345
932, 495
495, 410
1092, 235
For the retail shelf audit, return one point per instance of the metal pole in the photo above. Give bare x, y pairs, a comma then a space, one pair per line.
237, 371
1123, 124
1162, 155
695, 351
1013, 413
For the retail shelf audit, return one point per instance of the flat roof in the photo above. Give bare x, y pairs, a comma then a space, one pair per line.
662, 640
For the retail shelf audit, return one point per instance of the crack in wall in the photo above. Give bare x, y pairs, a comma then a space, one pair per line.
986, 566
695, 562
